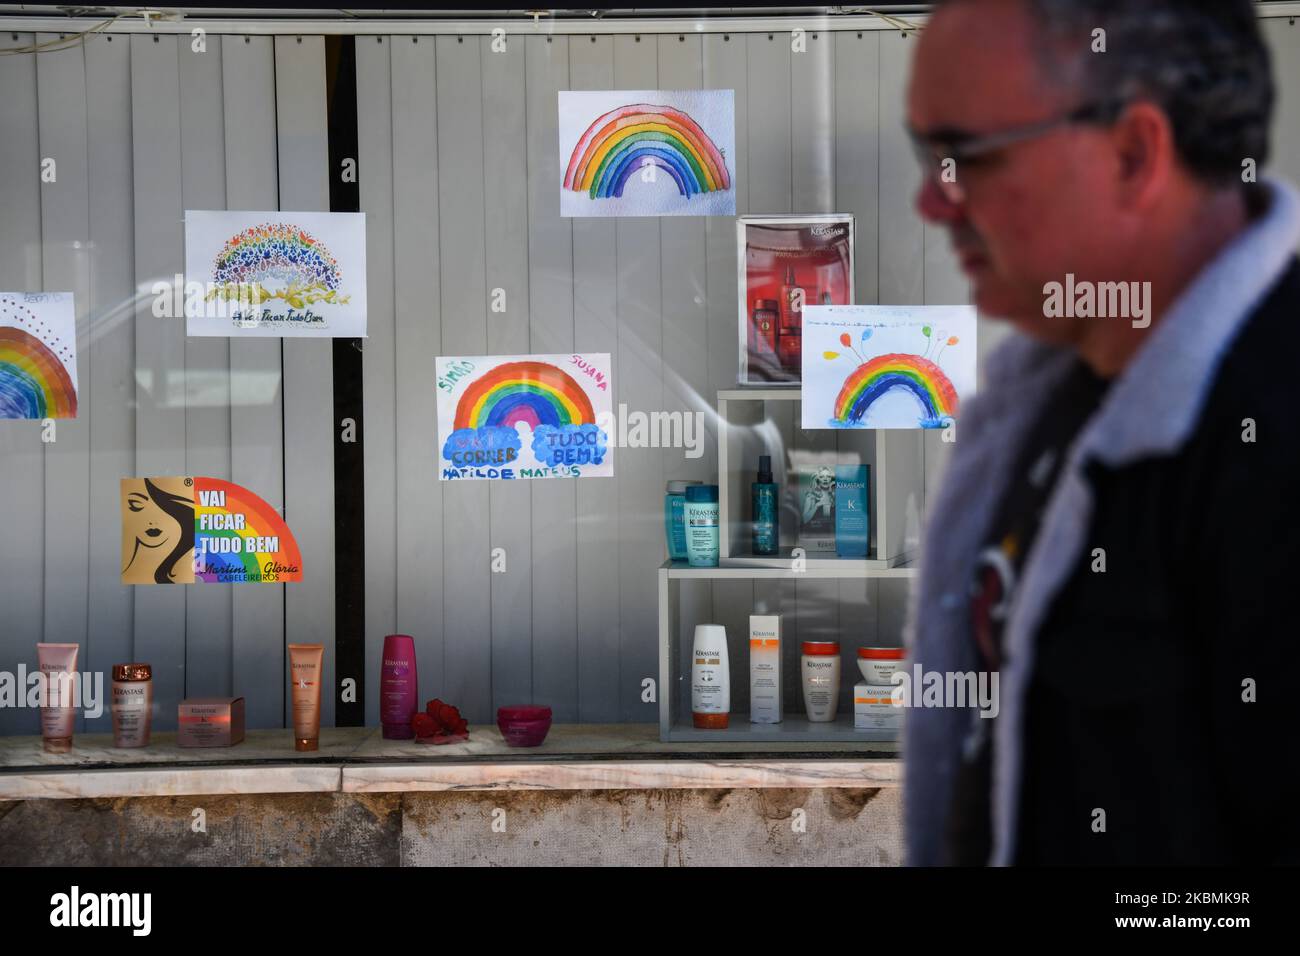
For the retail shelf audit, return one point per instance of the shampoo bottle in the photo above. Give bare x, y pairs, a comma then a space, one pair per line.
710, 678
791, 305
702, 526
399, 689
675, 518
132, 704
765, 508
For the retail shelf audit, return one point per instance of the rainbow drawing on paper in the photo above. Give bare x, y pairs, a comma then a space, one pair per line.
647, 152
630, 138
277, 260
534, 392
868, 366
38, 358
505, 417
239, 538
919, 376
274, 274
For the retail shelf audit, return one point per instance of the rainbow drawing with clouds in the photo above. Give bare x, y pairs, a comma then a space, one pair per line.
37, 360
277, 260
239, 538
630, 138
537, 393
920, 377
510, 417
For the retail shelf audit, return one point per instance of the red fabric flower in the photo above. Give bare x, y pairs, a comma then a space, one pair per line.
424, 725
446, 719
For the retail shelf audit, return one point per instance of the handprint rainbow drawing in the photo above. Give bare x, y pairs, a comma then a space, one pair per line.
277, 260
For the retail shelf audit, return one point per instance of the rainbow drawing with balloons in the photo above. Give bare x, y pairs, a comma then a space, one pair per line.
524, 416
859, 371
38, 355
647, 152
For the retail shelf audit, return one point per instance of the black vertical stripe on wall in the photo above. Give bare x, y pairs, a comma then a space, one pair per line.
349, 472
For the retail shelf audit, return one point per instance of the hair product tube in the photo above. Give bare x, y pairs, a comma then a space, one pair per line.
305, 670
710, 678
58, 663
399, 688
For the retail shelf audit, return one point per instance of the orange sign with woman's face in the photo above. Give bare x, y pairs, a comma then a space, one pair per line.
158, 530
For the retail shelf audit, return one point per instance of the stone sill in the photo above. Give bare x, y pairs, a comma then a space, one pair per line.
359, 760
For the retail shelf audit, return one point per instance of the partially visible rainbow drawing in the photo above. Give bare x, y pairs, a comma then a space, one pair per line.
640, 135
277, 260
237, 513
34, 366
919, 376
537, 393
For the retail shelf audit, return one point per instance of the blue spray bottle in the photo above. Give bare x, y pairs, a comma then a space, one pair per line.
766, 505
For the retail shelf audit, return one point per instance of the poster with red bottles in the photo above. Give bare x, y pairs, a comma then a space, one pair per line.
785, 263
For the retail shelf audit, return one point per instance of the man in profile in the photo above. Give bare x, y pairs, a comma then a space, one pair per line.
1117, 533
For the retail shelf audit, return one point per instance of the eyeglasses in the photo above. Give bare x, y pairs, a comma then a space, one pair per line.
941, 154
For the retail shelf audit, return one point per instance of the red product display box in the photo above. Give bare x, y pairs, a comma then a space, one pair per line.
787, 262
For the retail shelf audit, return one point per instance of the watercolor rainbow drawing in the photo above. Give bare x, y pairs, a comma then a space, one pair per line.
919, 376
235, 512
278, 260
538, 393
886, 366
38, 359
647, 152
630, 138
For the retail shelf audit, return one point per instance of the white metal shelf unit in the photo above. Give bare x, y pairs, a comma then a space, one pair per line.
675, 723
765, 421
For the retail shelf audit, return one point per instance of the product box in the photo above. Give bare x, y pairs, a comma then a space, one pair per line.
210, 722
785, 263
852, 521
765, 668
817, 508
874, 709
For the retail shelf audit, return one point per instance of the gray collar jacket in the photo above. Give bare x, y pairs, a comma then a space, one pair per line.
1154, 412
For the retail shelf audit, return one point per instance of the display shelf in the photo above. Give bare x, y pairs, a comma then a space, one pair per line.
764, 420
752, 569
747, 428
790, 730
359, 760
674, 709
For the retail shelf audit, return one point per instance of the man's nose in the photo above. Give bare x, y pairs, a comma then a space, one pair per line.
934, 206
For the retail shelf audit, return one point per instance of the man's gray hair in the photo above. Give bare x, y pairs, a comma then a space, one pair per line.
1204, 62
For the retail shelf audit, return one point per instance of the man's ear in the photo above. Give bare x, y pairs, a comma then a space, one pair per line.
1143, 139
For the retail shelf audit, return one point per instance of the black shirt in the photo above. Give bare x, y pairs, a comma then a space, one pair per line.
996, 576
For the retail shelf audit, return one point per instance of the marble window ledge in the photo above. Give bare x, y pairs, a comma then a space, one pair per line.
359, 760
